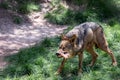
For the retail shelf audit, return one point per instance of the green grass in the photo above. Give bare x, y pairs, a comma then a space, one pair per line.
63, 16
39, 62
17, 19
28, 7
4, 5
21, 6
96, 10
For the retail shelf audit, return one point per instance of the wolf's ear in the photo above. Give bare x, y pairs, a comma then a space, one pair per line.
73, 38
63, 37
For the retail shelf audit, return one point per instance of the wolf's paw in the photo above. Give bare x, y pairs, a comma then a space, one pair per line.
80, 71
114, 63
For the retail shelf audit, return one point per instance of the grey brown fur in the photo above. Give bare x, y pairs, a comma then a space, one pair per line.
83, 37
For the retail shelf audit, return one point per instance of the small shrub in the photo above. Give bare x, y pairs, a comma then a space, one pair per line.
27, 7
90, 15
64, 16
112, 21
17, 20
4, 5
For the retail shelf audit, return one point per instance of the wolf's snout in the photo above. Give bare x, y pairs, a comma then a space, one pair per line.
57, 54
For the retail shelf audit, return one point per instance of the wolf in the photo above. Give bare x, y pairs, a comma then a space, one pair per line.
85, 36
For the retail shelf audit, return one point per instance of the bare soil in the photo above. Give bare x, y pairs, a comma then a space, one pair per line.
34, 29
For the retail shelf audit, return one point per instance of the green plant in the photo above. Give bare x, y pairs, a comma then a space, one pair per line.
105, 9
4, 5
28, 7
62, 16
17, 19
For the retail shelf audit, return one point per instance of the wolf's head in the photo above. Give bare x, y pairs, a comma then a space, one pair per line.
66, 47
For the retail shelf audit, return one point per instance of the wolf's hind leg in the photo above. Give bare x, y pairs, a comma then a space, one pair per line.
103, 45
109, 52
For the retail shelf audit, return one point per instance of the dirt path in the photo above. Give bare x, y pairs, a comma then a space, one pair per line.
14, 37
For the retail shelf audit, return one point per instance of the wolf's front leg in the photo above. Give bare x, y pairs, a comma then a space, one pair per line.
61, 66
80, 56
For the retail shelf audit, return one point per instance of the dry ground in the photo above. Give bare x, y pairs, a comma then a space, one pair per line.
13, 37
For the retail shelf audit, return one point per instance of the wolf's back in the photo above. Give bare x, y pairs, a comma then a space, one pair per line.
80, 29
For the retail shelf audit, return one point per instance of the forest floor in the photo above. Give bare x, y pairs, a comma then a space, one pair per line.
14, 37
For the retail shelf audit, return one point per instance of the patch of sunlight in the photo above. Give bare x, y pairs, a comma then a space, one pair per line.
109, 34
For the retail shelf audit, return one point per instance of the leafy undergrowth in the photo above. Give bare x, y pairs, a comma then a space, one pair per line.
39, 62
96, 10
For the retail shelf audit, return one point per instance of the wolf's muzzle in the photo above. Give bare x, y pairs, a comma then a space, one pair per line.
57, 54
